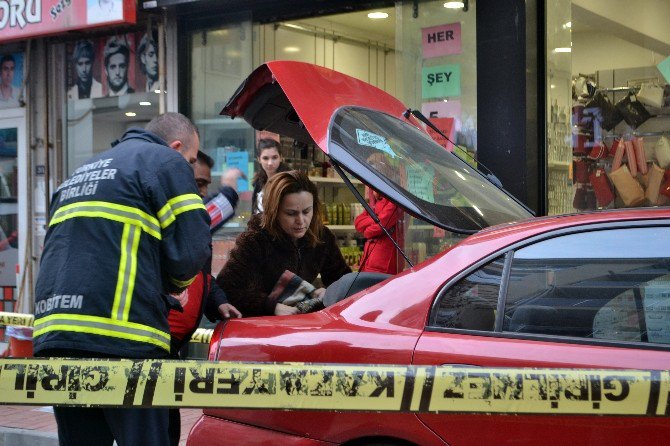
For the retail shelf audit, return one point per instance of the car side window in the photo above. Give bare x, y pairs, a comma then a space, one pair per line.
607, 284
470, 303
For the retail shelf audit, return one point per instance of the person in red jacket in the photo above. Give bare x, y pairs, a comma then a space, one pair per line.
379, 253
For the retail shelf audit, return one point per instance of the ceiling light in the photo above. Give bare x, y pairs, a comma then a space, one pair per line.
445, 100
562, 50
567, 25
454, 5
131, 114
552, 86
378, 15
145, 103
291, 49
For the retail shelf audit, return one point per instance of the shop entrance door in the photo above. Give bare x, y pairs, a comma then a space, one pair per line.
13, 212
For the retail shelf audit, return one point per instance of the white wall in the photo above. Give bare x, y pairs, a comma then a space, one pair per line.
593, 51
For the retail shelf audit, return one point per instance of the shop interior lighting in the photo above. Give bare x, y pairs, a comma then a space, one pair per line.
145, 102
131, 114
567, 25
157, 91
563, 50
454, 5
291, 49
378, 15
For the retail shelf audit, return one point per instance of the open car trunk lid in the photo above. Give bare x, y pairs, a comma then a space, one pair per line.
363, 129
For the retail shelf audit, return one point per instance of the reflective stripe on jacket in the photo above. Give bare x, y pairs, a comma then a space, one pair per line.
126, 229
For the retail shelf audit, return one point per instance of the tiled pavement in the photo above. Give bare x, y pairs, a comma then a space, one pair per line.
29, 425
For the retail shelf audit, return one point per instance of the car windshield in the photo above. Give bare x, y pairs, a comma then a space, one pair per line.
422, 176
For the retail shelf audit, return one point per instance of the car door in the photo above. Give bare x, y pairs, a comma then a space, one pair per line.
588, 297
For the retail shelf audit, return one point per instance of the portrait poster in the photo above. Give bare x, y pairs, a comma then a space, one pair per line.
113, 65
11, 79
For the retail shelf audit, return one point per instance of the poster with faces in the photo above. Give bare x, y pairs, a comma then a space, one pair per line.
114, 65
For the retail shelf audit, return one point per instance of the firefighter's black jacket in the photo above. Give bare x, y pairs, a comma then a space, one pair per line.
125, 229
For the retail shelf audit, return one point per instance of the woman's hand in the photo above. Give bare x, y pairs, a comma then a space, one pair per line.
319, 292
285, 310
227, 311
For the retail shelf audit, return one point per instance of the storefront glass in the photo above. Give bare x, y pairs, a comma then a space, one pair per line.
608, 120
427, 60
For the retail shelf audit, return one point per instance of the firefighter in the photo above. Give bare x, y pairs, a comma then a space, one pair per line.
127, 231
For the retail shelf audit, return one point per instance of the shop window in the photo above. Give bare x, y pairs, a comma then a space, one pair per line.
558, 287
607, 102
470, 304
112, 85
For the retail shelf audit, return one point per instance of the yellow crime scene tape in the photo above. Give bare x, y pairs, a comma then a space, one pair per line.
386, 388
201, 335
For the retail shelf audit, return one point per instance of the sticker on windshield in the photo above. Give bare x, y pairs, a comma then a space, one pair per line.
370, 139
420, 182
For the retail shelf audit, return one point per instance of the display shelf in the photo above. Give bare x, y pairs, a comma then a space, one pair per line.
330, 180
559, 164
341, 227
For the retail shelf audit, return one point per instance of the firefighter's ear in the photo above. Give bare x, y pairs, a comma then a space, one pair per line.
177, 145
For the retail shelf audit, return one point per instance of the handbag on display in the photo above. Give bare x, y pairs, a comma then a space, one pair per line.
655, 179
649, 151
590, 201
579, 141
601, 187
632, 110
599, 151
619, 148
630, 158
581, 171
662, 151
609, 115
579, 200
640, 155
651, 94
627, 187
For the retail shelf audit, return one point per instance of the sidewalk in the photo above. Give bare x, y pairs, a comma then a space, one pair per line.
36, 426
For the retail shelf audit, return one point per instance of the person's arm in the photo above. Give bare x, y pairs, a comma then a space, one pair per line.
217, 306
242, 277
388, 214
221, 207
184, 223
334, 265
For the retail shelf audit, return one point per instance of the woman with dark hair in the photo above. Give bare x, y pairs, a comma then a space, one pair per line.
271, 162
289, 236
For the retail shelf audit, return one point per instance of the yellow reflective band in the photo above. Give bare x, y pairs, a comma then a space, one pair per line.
334, 387
110, 211
178, 205
125, 282
201, 335
182, 283
103, 327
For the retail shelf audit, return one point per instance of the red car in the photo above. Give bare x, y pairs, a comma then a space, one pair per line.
577, 291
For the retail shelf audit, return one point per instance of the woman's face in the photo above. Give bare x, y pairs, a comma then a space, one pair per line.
270, 159
295, 214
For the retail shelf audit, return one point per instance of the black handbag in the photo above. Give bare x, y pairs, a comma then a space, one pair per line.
633, 111
604, 110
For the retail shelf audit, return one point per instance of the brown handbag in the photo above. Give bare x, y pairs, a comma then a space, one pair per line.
627, 187
654, 185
